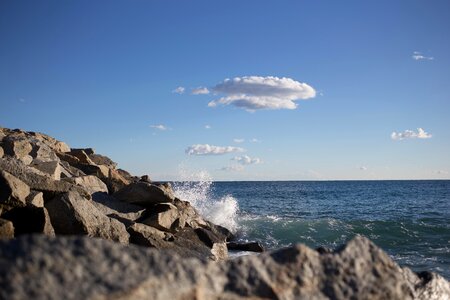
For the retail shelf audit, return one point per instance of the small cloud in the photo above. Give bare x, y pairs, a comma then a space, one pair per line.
160, 127
179, 90
207, 126
234, 168
418, 56
247, 160
410, 134
238, 141
205, 149
363, 168
256, 92
200, 91
253, 140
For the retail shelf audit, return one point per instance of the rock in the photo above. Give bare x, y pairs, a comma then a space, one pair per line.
115, 181
69, 171
163, 216
54, 144
70, 213
145, 178
88, 151
1, 152
90, 183
6, 229
145, 194
39, 267
72, 160
102, 160
252, 246
219, 251
30, 219
124, 212
52, 168
141, 234
13, 191
35, 198
188, 214
82, 156
42, 152
209, 238
17, 147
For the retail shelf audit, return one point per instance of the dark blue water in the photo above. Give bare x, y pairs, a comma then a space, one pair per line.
410, 220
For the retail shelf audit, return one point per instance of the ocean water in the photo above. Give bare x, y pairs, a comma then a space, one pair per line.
410, 220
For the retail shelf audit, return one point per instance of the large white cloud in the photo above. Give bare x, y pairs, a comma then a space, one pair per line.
257, 92
247, 160
410, 134
205, 149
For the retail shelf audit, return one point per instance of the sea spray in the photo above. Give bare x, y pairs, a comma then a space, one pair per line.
196, 187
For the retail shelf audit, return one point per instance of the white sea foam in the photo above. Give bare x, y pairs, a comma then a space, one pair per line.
196, 187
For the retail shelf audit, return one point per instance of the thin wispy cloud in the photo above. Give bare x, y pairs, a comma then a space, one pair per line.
419, 56
238, 141
256, 92
160, 127
179, 90
410, 134
207, 126
234, 168
200, 91
254, 140
205, 149
247, 160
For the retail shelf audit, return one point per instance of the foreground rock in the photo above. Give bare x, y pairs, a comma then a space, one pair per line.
80, 268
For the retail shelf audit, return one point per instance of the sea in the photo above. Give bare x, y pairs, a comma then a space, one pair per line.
410, 220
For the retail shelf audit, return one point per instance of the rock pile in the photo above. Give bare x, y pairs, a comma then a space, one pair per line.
47, 187
69, 219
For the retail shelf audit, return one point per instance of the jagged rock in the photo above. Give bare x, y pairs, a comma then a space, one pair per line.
70, 213
219, 251
69, 171
88, 151
125, 175
6, 229
42, 152
30, 219
164, 216
102, 160
39, 267
90, 183
145, 194
1, 152
141, 234
115, 181
252, 246
145, 178
82, 156
17, 147
37, 180
54, 144
35, 198
188, 214
72, 160
52, 168
13, 191
124, 212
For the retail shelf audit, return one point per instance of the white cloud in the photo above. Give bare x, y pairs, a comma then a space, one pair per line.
256, 92
234, 168
238, 141
418, 56
254, 140
207, 126
410, 134
205, 149
160, 127
363, 168
247, 160
200, 91
179, 90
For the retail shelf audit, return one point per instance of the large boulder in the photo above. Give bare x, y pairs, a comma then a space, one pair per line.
6, 229
145, 194
39, 267
71, 213
13, 191
164, 216
124, 212
18, 147
2, 152
51, 168
30, 219
35, 198
90, 183
102, 160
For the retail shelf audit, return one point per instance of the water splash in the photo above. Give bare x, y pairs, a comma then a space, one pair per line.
196, 187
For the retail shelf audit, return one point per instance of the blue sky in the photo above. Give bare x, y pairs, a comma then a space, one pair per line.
316, 89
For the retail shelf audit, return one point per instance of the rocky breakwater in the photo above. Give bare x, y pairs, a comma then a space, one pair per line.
69, 219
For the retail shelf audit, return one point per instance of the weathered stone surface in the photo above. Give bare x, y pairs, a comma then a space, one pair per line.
90, 183
73, 160
70, 213
52, 168
30, 219
115, 181
252, 246
6, 229
145, 194
124, 212
88, 151
13, 191
54, 144
1, 152
102, 160
141, 234
35, 198
82, 156
39, 267
17, 147
164, 216
42, 152
188, 214
35, 179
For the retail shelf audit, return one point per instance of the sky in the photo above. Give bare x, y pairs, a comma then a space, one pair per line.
239, 90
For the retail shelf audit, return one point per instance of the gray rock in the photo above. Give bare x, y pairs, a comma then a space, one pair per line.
70, 213
30, 219
18, 147
82, 156
6, 229
90, 183
164, 216
41, 151
115, 181
251, 247
102, 160
39, 267
35, 198
52, 168
13, 191
124, 212
188, 214
145, 194
1, 152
